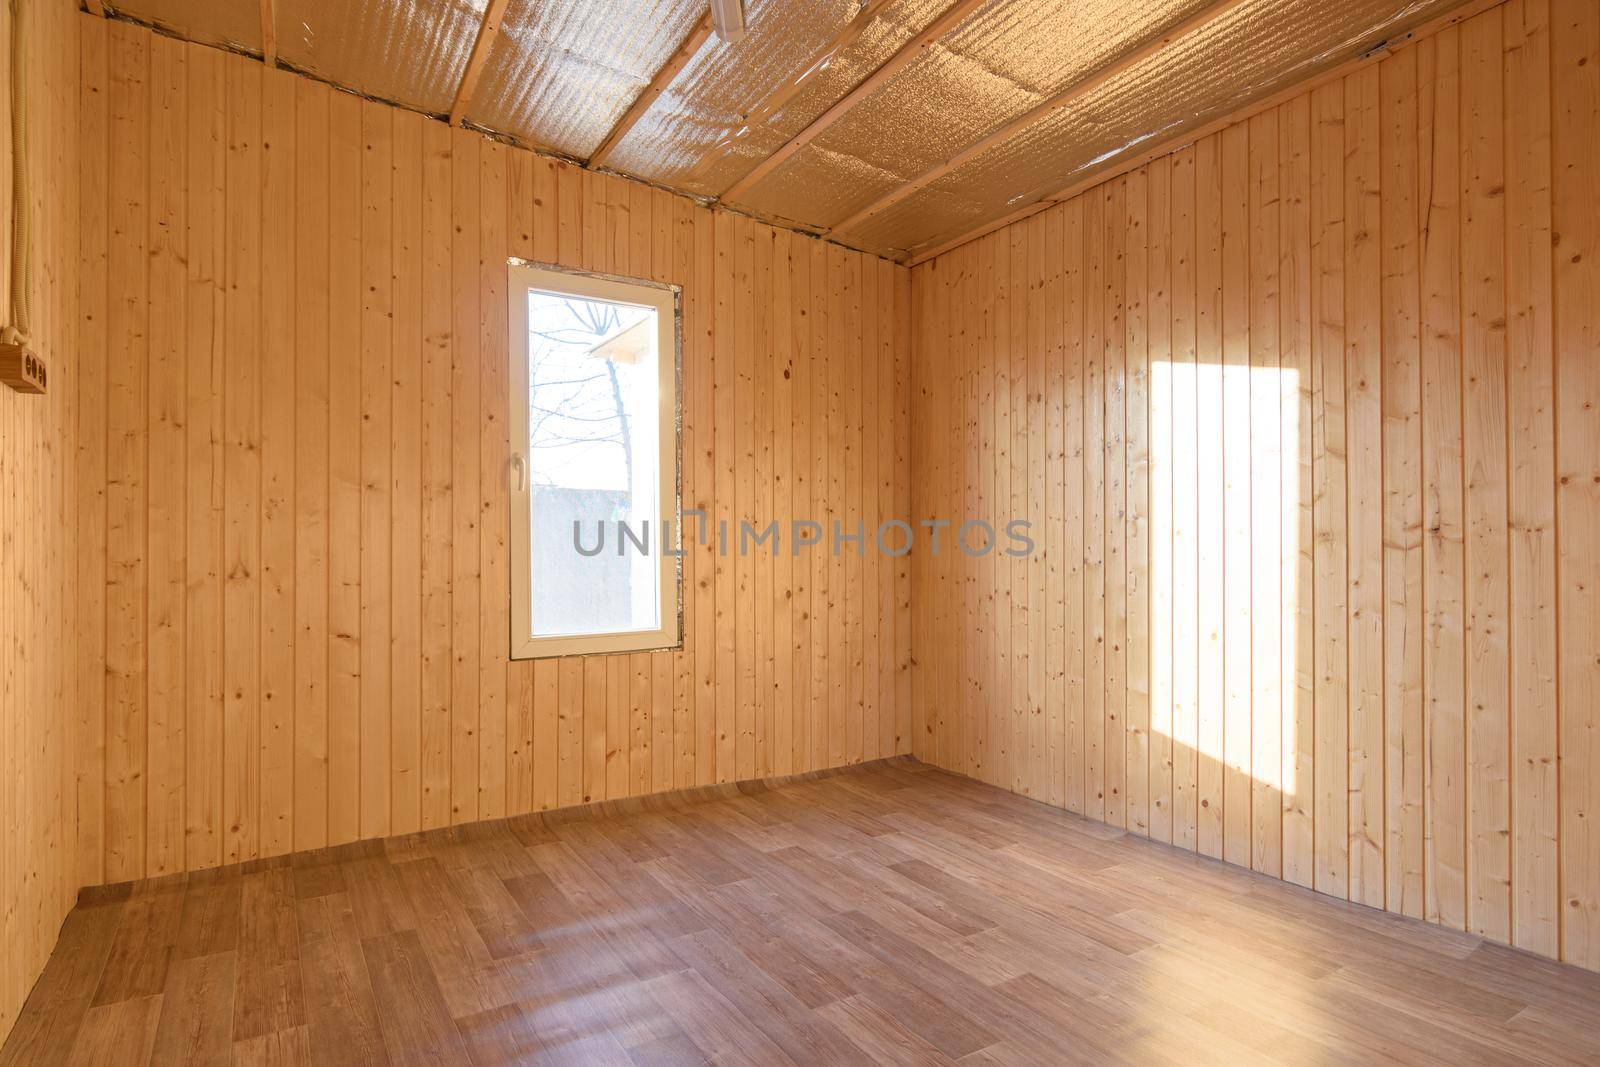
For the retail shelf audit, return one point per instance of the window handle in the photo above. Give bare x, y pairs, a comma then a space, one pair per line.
519, 468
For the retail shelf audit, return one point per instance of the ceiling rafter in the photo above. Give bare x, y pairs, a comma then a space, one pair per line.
658, 84
728, 18
1044, 110
936, 246
952, 17
269, 33
488, 30
779, 98
95, 7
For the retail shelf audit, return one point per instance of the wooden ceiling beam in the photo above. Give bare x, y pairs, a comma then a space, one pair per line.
269, 33
728, 19
775, 101
95, 7
935, 247
952, 17
488, 30
658, 84
1044, 110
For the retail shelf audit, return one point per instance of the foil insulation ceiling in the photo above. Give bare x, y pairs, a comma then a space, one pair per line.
407, 52
230, 24
562, 73
690, 138
1247, 55
411, 52
696, 136
1004, 60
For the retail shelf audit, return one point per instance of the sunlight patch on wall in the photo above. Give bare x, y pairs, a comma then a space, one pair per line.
1228, 530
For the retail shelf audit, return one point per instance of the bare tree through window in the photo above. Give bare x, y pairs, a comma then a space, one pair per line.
575, 398
594, 423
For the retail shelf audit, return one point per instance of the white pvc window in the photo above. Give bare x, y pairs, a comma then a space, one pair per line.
594, 501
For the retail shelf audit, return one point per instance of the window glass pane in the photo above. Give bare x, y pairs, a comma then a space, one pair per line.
593, 460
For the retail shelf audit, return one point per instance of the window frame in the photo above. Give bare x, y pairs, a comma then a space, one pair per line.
667, 299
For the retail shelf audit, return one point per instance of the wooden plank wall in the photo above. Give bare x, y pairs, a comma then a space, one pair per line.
1306, 417
302, 330
39, 505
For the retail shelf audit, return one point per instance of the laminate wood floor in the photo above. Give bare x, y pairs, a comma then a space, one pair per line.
887, 914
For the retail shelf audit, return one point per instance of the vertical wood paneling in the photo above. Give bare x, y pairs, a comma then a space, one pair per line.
522, 209
1094, 526
1115, 514
1027, 316
903, 381
241, 459
1182, 478
466, 399
165, 411
437, 492
1053, 506
1236, 556
954, 736
1074, 557
1484, 452
494, 633
1137, 404
1297, 515
723, 422
1342, 349
278, 476
822, 459
1209, 489
864, 419
1402, 485
1329, 452
800, 365
1364, 485
670, 673
569, 701
844, 725
204, 311
1367, 617
89, 723
759, 632
1531, 507
1163, 536
311, 545
699, 407
958, 734
744, 514
405, 474
781, 753
1575, 141
978, 321
1444, 647
884, 671
127, 333
1265, 428
343, 811
973, 735
954, 739
53, 597
934, 691
302, 552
